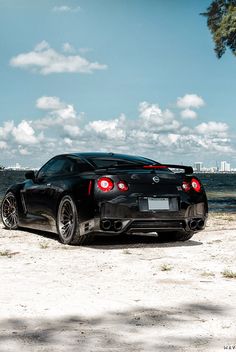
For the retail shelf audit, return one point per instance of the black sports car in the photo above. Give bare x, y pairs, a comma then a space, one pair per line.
82, 194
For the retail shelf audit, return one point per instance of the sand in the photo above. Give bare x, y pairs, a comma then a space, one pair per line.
132, 294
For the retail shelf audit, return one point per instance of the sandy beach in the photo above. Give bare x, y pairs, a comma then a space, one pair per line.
129, 294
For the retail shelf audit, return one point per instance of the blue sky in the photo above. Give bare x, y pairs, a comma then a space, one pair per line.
124, 76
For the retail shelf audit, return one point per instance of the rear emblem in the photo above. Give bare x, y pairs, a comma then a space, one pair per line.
156, 179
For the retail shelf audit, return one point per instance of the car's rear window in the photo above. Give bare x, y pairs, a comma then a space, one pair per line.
119, 162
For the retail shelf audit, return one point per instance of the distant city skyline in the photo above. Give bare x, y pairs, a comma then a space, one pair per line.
198, 166
119, 76
222, 166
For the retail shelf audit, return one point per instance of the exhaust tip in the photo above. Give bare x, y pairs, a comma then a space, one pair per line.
118, 225
193, 224
200, 224
106, 224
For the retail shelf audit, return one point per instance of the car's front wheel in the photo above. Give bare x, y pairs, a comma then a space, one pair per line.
175, 236
68, 223
9, 211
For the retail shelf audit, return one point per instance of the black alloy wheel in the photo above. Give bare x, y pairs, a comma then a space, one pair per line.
68, 223
9, 211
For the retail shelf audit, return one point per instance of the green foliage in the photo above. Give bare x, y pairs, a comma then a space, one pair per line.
221, 20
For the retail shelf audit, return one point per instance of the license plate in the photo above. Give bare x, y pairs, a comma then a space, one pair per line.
158, 204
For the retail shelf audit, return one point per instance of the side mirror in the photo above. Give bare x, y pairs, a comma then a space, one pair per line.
30, 175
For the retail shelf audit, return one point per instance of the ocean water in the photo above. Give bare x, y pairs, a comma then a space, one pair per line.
221, 191
220, 188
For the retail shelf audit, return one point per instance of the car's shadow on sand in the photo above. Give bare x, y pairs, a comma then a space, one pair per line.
135, 241
122, 241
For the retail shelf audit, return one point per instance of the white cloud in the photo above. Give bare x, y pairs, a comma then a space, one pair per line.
42, 46
212, 128
72, 131
3, 145
25, 134
188, 114
152, 117
49, 103
68, 48
59, 113
45, 60
155, 133
23, 151
65, 8
68, 141
66, 113
190, 101
6, 129
112, 129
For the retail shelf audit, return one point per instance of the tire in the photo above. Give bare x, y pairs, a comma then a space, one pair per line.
175, 236
68, 223
9, 212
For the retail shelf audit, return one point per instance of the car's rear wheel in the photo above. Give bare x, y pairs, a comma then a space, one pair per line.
175, 236
9, 211
68, 223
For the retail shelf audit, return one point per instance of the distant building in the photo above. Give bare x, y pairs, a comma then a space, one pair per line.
198, 166
16, 167
224, 166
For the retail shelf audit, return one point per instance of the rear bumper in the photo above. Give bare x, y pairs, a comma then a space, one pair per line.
129, 226
116, 219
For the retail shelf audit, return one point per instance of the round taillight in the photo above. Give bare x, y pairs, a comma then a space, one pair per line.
196, 185
186, 186
105, 184
122, 186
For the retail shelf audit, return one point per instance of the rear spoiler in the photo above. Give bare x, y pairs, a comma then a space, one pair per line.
187, 169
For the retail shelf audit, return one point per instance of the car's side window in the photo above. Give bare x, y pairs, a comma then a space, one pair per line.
63, 166
68, 167
81, 166
55, 167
